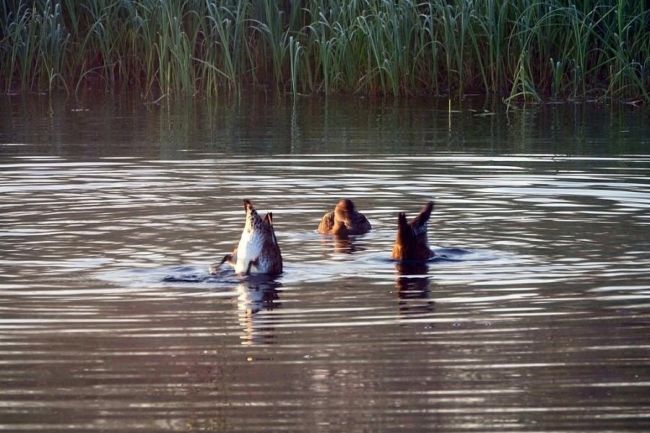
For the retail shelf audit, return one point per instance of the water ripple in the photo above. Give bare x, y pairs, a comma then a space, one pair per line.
535, 312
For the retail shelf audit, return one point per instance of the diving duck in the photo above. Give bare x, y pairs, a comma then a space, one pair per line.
344, 220
258, 248
411, 242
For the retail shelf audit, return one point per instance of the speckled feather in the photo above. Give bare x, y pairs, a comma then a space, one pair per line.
258, 245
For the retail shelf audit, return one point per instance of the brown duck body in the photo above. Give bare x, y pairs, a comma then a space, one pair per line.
258, 248
411, 241
344, 220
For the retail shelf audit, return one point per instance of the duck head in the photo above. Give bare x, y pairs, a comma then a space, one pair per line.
344, 207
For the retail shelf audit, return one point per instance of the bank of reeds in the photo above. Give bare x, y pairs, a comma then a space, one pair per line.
522, 51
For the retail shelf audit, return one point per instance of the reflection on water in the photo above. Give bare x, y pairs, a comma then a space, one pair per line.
261, 126
412, 286
533, 316
342, 245
257, 294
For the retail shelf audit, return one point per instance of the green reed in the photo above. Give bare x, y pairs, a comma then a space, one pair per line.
521, 51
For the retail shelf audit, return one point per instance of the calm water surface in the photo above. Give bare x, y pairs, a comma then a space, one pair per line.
536, 317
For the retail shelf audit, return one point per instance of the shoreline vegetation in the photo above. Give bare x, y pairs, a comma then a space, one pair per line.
522, 52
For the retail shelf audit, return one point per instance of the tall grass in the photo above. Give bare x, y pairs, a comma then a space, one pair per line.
522, 51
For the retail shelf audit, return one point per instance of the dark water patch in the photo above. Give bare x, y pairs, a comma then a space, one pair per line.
190, 274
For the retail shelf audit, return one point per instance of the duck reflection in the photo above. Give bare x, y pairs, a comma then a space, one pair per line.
413, 290
346, 245
257, 294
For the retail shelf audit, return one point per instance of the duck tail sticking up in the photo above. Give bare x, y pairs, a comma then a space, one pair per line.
411, 240
258, 248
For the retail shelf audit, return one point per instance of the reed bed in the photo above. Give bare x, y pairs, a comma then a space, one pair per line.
522, 51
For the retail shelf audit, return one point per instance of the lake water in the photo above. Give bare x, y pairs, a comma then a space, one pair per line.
534, 318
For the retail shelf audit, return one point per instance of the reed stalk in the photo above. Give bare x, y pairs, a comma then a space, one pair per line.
525, 50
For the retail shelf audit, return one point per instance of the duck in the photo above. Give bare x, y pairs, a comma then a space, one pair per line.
411, 241
344, 221
258, 250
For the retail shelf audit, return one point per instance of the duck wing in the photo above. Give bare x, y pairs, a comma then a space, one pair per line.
272, 256
268, 220
360, 223
419, 223
327, 223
